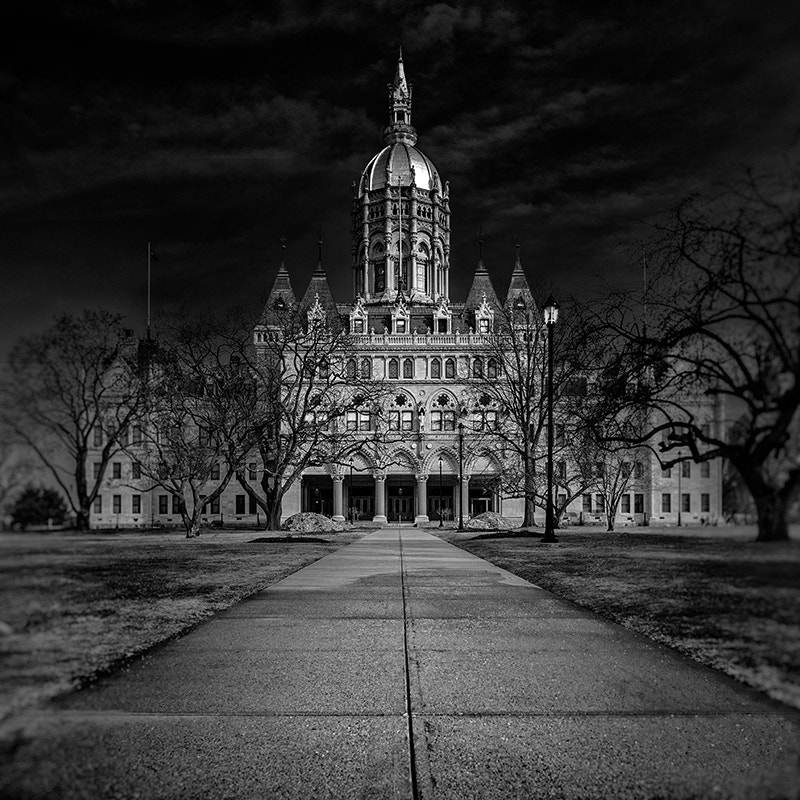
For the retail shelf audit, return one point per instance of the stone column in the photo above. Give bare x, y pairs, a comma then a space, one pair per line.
337, 499
422, 500
380, 497
464, 497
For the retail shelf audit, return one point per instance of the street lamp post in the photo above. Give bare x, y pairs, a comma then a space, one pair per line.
350, 498
441, 524
460, 475
679, 467
550, 318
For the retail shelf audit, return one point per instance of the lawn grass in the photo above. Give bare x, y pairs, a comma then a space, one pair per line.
716, 596
75, 604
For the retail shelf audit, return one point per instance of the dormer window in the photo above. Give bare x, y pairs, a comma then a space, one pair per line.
484, 317
316, 315
358, 317
401, 322
442, 317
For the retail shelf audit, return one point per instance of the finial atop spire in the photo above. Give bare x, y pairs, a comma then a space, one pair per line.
283, 252
518, 261
319, 268
480, 249
400, 128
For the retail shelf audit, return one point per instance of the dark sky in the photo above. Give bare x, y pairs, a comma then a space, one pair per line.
214, 128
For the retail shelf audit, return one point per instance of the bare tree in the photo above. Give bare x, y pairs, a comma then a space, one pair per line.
722, 327
510, 399
315, 398
196, 430
615, 474
72, 385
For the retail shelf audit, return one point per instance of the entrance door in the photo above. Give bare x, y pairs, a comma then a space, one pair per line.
446, 507
401, 509
480, 504
362, 506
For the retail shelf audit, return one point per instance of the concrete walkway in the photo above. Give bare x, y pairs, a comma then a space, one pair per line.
303, 690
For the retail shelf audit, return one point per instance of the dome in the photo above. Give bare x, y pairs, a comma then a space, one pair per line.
402, 161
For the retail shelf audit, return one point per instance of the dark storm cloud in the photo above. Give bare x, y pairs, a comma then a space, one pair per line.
214, 128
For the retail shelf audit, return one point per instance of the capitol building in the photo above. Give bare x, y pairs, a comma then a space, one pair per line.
430, 354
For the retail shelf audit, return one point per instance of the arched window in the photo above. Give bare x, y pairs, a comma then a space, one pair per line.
394, 368
477, 367
491, 368
323, 369
366, 368
401, 414
443, 413
408, 368
351, 368
450, 368
359, 417
436, 368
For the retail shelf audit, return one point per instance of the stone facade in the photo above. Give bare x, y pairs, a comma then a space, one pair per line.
429, 353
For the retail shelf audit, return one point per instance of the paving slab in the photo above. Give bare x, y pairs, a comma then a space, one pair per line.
98, 756
311, 688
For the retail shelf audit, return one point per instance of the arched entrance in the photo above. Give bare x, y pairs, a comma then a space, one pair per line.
400, 493
484, 484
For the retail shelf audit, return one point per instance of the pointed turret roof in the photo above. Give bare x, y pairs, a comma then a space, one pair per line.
519, 288
482, 285
319, 291
282, 295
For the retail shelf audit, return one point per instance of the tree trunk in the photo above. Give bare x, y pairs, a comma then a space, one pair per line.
611, 517
274, 502
772, 504
529, 519
773, 525
82, 519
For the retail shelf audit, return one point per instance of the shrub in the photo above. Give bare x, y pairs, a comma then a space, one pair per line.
38, 507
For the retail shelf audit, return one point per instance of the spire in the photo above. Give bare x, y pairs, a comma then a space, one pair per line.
319, 293
319, 270
400, 128
481, 266
281, 295
518, 288
481, 290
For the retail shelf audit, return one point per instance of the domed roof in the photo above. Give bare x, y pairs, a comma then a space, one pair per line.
399, 161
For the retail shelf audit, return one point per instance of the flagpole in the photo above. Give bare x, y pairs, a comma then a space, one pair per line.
148, 290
